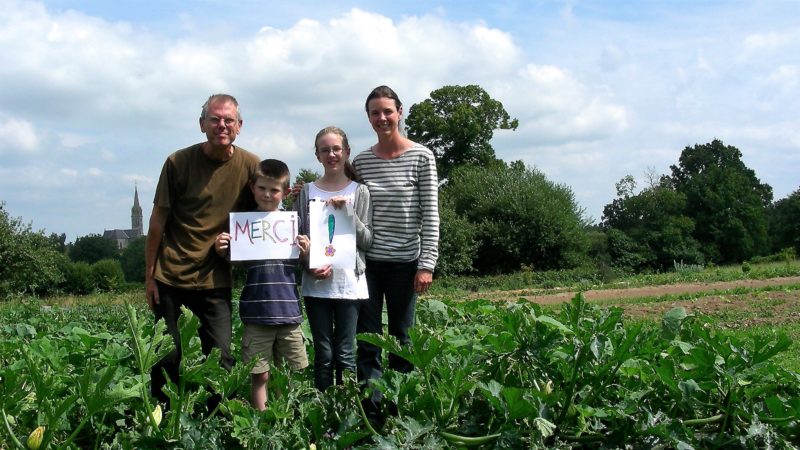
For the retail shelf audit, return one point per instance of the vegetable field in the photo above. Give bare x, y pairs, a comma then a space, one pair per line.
489, 375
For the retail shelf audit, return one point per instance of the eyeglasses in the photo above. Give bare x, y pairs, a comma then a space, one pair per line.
336, 150
214, 120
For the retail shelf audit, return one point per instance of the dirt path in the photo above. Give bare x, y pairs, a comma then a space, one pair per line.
634, 292
736, 310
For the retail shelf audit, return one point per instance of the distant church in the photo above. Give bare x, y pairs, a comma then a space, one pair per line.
123, 237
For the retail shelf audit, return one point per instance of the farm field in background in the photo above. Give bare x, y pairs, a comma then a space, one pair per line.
709, 368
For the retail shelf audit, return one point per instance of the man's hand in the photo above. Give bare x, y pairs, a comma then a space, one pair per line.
222, 244
151, 293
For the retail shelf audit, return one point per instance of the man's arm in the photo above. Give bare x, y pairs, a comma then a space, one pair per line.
155, 231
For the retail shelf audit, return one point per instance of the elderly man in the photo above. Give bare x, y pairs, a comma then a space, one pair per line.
198, 187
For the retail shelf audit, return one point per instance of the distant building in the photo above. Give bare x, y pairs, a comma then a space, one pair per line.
123, 237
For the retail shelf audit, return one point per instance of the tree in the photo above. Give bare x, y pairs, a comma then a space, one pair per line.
655, 224
303, 176
92, 248
784, 223
132, 260
29, 261
520, 216
457, 123
59, 242
726, 201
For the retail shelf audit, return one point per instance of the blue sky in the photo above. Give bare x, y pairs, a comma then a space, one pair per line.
96, 94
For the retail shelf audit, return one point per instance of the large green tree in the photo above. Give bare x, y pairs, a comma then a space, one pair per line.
726, 201
29, 260
520, 217
785, 223
92, 248
457, 123
655, 227
132, 260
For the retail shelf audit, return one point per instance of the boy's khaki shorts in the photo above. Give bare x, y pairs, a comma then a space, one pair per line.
278, 342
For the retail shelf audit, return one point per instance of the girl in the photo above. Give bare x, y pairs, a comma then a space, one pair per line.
333, 296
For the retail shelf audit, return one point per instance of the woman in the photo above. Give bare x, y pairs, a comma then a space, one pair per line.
403, 185
333, 296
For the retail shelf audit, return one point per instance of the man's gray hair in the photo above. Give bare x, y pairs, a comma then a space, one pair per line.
220, 98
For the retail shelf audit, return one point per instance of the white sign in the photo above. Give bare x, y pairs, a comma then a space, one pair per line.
264, 235
333, 236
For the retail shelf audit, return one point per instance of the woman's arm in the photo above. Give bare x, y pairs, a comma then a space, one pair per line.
363, 209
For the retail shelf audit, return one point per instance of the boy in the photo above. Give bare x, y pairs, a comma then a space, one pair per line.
269, 305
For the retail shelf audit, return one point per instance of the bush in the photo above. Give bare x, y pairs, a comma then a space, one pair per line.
520, 218
108, 275
79, 279
786, 255
29, 262
457, 244
627, 254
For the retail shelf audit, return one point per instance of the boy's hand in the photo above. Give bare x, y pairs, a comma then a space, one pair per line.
222, 244
303, 243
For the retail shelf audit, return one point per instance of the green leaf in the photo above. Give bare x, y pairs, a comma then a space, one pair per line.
553, 323
672, 322
518, 403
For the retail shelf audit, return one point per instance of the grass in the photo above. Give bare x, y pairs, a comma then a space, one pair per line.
589, 278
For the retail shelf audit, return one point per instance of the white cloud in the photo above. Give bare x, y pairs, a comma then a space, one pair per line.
107, 155
71, 140
597, 94
612, 57
785, 77
18, 135
769, 41
558, 108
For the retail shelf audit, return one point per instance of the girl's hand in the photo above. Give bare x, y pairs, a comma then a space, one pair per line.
322, 272
222, 244
337, 202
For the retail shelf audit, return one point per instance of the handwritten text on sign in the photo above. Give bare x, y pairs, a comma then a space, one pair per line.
263, 235
333, 236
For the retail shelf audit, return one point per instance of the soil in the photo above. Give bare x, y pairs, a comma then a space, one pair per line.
739, 309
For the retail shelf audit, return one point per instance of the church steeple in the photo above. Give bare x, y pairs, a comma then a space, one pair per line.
136, 214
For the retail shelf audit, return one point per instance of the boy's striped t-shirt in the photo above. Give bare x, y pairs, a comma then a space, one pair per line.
405, 205
269, 296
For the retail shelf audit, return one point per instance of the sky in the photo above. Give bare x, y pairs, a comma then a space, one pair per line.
96, 94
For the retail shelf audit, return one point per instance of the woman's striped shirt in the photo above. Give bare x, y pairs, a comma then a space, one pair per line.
405, 205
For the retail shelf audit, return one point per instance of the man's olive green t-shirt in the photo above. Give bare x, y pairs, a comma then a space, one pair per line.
199, 193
